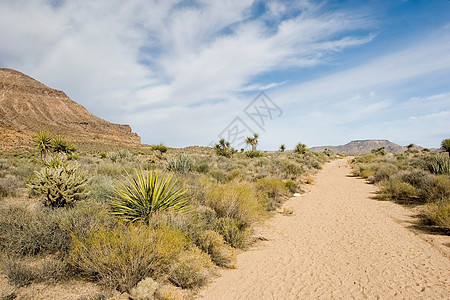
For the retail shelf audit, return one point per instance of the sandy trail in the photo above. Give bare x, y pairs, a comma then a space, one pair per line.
338, 244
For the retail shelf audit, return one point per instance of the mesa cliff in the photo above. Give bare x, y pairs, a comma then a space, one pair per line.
26, 106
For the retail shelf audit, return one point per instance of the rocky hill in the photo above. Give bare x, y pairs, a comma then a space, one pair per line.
362, 146
27, 106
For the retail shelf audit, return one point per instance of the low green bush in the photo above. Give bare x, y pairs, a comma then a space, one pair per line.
191, 269
235, 232
439, 213
253, 154
439, 164
213, 243
121, 257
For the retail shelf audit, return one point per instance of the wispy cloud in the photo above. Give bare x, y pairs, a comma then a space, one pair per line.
188, 67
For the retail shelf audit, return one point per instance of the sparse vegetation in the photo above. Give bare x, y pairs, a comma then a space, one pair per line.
301, 148
413, 178
163, 233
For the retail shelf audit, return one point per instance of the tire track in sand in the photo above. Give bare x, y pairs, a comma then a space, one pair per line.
338, 244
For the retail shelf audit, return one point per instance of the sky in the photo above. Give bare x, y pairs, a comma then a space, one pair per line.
187, 73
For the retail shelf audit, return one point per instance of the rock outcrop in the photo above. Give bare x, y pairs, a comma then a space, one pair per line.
27, 106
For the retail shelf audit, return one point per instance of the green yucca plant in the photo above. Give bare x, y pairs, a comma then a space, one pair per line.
439, 164
43, 142
139, 196
183, 164
61, 145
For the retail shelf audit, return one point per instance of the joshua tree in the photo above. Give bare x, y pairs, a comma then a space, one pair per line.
223, 149
301, 148
252, 140
43, 142
446, 146
282, 147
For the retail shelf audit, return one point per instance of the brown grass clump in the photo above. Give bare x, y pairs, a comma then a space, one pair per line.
213, 243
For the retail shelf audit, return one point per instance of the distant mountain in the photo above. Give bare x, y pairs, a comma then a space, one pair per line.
27, 106
363, 146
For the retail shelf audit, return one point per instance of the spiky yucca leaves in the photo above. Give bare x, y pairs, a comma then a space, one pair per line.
61, 145
139, 196
60, 184
43, 142
439, 164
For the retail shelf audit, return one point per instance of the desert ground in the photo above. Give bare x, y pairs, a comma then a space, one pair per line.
339, 243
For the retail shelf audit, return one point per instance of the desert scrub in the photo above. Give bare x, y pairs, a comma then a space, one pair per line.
254, 153
274, 188
141, 195
399, 191
9, 186
235, 232
191, 269
439, 213
112, 170
213, 243
25, 232
60, 185
22, 272
145, 289
234, 200
182, 163
102, 188
121, 257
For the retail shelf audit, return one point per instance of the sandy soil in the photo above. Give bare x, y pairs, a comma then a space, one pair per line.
339, 244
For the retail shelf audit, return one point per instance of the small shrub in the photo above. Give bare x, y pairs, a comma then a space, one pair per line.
292, 169
384, 173
219, 176
213, 243
191, 269
439, 213
145, 289
399, 191
236, 233
181, 164
234, 200
145, 193
379, 151
309, 179
367, 174
274, 188
253, 154
22, 272
9, 186
103, 155
161, 148
171, 292
133, 253
291, 185
24, 232
202, 168
60, 186
109, 169
102, 188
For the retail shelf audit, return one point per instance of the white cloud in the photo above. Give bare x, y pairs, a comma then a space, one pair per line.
187, 70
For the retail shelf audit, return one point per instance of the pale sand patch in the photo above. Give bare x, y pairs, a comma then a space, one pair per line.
338, 244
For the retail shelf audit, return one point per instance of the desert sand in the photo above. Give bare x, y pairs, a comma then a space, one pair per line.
339, 243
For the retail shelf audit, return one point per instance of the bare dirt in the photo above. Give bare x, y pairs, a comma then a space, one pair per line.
27, 106
339, 243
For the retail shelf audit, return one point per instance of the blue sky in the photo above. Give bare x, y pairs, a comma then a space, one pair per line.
179, 72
